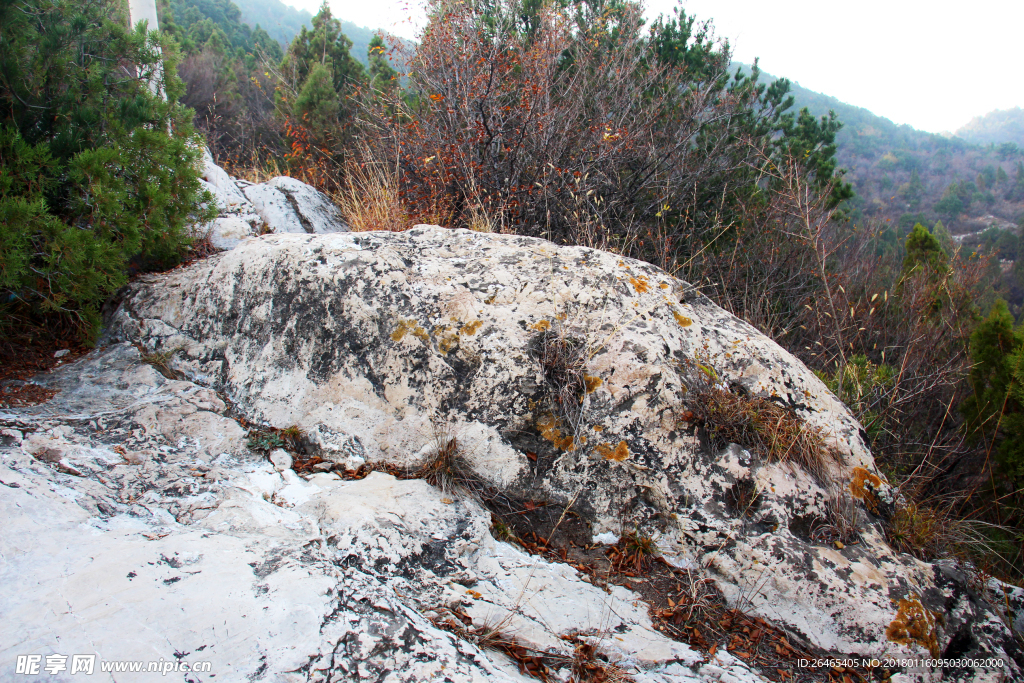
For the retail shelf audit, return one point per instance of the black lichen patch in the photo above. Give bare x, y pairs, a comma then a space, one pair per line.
804, 526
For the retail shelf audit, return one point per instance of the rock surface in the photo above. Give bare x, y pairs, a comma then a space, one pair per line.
373, 344
280, 205
292, 206
139, 527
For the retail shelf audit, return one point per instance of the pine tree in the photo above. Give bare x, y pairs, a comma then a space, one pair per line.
311, 56
951, 205
944, 237
318, 105
383, 78
924, 253
98, 171
994, 412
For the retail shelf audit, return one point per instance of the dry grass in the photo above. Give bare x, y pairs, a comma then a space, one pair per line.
756, 423
161, 362
932, 532
447, 467
261, 172
636, 552
842, 518
371, 199
587, 668
564, 360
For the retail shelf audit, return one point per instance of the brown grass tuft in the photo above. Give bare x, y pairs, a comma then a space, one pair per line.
635, 552
564, 360
756, 423
371, 197
447, 467
841, 524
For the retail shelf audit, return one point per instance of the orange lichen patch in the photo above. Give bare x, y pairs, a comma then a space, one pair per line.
548, 427
914, 624
592, 383
640, 284
446, 342
663, 285
598, 428
561, 316
471, 328
541, 326
858, 478
682, 319
409, 326
618, 454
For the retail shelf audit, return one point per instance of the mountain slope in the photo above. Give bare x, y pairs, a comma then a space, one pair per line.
995, 128
283, 23
903, 175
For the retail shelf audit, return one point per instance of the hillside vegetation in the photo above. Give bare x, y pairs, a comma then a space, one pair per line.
902, 175
995, 128
284, 22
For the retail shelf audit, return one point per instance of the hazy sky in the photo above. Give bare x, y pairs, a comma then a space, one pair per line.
934, 65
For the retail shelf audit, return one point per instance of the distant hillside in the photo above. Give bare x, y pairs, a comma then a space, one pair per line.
995, 128
903, 175
283, 23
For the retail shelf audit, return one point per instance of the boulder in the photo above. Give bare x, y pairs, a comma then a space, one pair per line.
289, 205
280, 205
563, 377
228, 231
221, 185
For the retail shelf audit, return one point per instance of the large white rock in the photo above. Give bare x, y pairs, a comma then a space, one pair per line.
280, 205
369, 341
289, 205
227, 232
138, 527
217, 181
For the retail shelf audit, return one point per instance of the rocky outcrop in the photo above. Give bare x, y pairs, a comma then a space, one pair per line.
567, 378
280, 205
139, 527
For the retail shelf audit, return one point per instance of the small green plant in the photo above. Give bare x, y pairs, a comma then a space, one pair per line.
161, 362
264, 441
502, 531
269, 439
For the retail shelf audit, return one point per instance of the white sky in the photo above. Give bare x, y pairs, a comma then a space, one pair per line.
932, 64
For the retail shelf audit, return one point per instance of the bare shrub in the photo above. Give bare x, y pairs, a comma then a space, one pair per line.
573, 128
